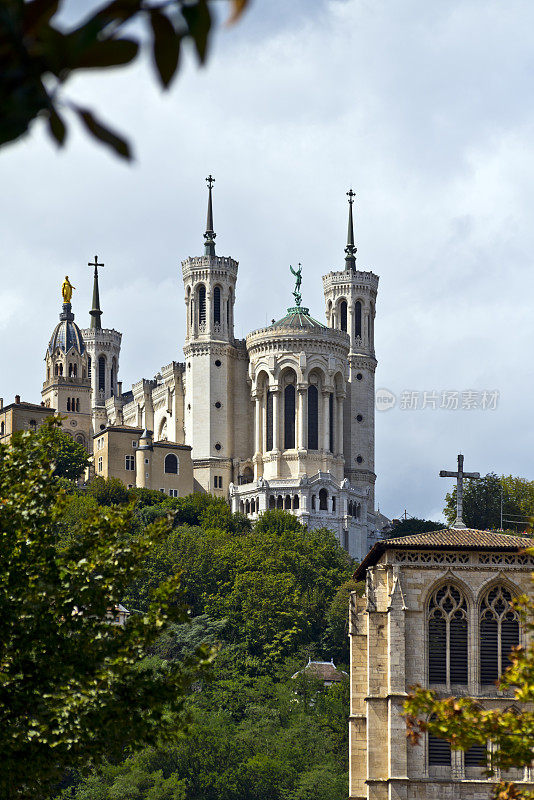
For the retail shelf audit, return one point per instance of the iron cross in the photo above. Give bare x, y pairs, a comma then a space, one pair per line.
351, 195
210, 181
95, 264
460, 475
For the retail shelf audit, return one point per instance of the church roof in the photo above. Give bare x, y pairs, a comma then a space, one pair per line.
446, 539
66, 334
299, 319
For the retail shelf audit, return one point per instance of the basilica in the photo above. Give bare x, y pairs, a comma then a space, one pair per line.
281, 419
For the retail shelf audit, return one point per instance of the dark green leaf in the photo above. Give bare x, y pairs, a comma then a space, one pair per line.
38, 11
198, 21
166, 46
103, 134
110, 53
56, 126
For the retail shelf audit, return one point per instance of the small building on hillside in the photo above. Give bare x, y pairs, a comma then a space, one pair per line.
325, 671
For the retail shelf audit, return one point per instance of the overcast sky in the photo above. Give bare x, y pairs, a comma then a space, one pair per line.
424, 107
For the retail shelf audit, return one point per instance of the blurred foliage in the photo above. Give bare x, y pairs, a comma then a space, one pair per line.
482, 503
69, 692
462, 722
38, 56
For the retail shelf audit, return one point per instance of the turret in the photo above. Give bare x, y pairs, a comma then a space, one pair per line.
350, 297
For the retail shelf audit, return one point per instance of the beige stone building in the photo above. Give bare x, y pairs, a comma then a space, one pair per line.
437, 612
20, 416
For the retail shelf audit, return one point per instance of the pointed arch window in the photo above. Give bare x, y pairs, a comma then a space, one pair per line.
201, 304
439, 752
447, 636
68, 403
499, 633
358, 318
289, 417
217, 305
313, 418
343, 315
323, 500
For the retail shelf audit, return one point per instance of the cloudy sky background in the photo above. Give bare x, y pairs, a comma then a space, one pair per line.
423, 106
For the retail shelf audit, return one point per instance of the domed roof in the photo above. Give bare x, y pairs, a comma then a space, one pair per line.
66, 333
299, 319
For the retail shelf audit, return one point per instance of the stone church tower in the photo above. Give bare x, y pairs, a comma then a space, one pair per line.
350, 297
216, 421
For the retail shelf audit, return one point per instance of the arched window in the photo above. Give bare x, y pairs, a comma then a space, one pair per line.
228, 307
88, 366
313, 502
279, 501
68, 403
358, 318
323, 500
75, 370
171, 464
447, 636
313, 418
272, 501
247, 506
217, 305
296, 503
112, 380
289, 417
269, 420
2, 428
248, 475
77, 404
287, 502
102, 373
201, 304
499, 632
349, 508
331, 422
439, 752
60, 368
70, 370
333, 504
343, 315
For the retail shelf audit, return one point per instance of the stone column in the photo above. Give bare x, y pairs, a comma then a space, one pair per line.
302, 418
338, 444
257, 426
276, 418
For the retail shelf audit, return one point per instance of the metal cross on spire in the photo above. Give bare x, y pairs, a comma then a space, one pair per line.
459, 475
209, 236
350, 249
95, 312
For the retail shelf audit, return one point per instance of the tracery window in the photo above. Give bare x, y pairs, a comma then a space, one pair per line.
447, 636
499, 633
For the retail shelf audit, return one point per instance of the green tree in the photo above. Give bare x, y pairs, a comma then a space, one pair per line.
67, 676
336, 635
108, 491
69, 458
38, 55
464, 724
407, 527
482, 502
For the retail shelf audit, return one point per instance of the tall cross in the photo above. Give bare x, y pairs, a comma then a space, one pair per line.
95, 264
210, 181
460, 475
351, 195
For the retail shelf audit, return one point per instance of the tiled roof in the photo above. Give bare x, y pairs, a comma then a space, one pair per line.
461, 537
298, 318
446, 539
323, 671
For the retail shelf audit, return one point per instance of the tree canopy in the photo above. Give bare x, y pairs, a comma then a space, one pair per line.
482, 503
67, 675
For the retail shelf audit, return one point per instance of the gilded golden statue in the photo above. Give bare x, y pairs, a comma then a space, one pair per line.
66, 290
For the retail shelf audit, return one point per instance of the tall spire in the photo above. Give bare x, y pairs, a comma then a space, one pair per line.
350, 249
95, 312
209, 236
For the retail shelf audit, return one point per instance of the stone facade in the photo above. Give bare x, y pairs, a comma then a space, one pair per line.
19, 416
389, 646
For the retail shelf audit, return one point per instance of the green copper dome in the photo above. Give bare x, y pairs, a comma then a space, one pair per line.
299, 319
